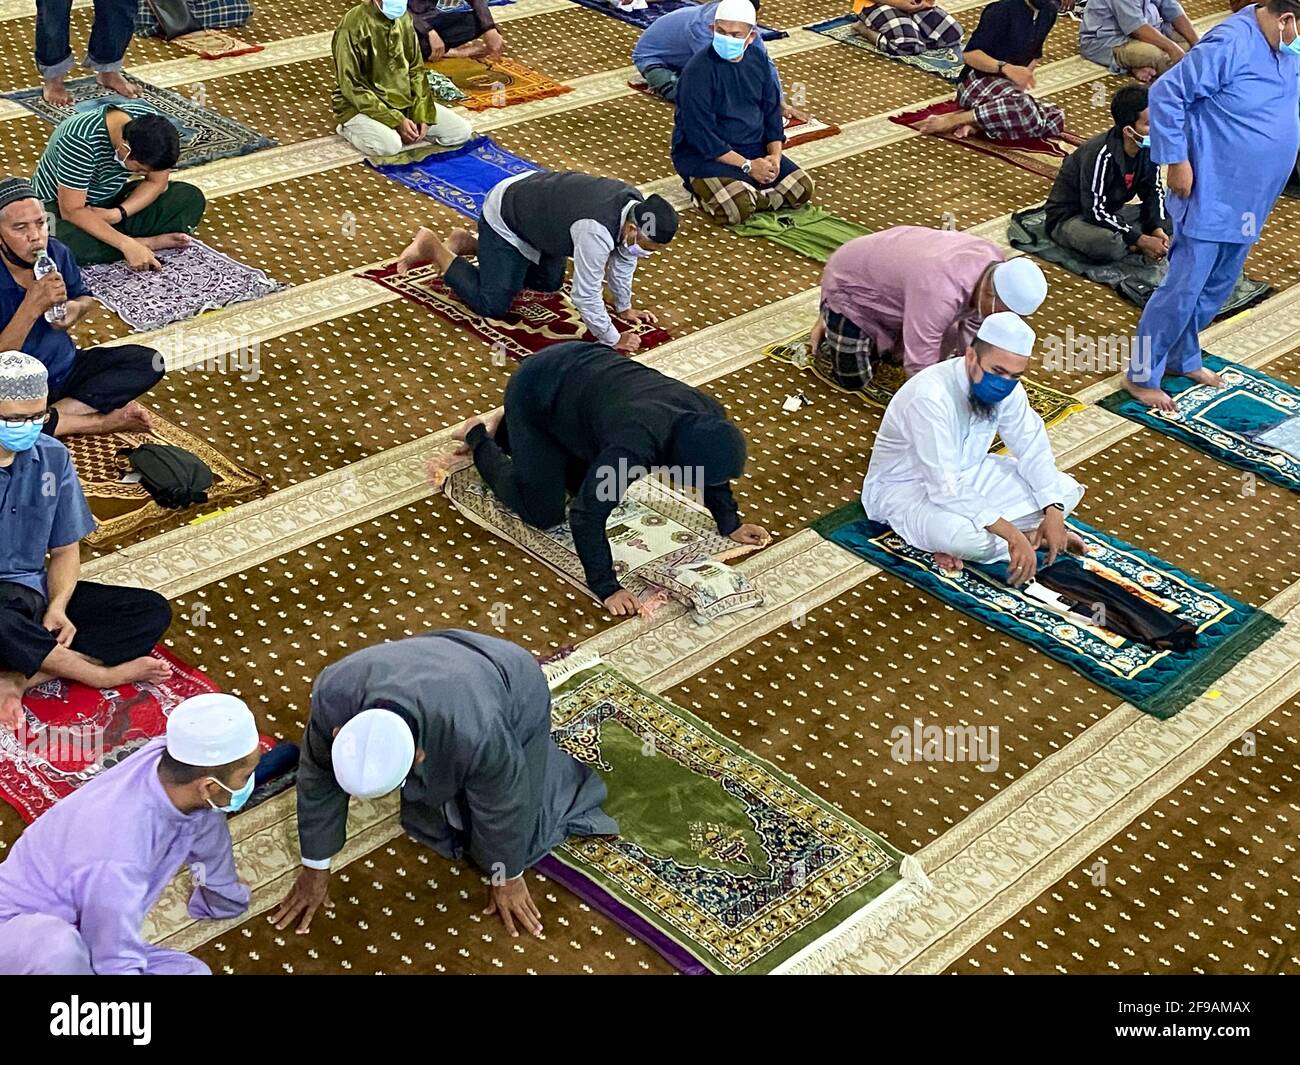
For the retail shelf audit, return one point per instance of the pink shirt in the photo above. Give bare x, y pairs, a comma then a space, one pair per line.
910, 285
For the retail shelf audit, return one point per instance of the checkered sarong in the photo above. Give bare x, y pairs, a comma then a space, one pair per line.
210, 14
1004, 111
844, 354
902, 33
732, 200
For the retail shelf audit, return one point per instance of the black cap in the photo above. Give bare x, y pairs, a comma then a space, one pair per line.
656, 218
14, 189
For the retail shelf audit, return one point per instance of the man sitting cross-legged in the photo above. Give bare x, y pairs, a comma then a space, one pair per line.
92, 390
908, 27
445, 30
382, 100
1144, 37
728, 133
933, 481
51, 623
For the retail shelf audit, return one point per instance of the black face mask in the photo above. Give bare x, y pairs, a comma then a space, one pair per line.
12, 256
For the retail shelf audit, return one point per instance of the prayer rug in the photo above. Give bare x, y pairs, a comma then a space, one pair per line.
1253, 423
727, 858
1040, 156
641, 19
536, 319
664, 545
797, 131
192, 280
887, 378
945, 63
1158, 682
205, 135
462, 177
1134, 277
497, 83
214, 44
807, 230
71, 733
123, 508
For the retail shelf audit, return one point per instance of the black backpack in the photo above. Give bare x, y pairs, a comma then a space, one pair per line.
173, 476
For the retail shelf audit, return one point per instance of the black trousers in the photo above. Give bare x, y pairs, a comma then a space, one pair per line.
502, 273
114, 624
454, 27
108, 378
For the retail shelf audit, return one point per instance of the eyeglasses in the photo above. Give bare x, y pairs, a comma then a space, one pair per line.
22, 421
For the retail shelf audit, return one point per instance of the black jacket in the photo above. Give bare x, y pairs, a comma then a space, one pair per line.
1099, 178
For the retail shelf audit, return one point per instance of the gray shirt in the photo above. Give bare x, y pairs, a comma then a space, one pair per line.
1109, 23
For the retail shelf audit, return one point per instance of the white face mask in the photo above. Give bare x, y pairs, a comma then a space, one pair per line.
123, 159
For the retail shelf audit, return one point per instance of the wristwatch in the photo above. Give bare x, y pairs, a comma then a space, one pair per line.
1000, 66
746, 167
1058, 506
122, 211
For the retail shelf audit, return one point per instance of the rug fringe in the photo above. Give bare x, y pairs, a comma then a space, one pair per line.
558, 672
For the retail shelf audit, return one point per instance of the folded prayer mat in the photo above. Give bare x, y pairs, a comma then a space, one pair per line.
1158, 681
205, 135
444, 89
664, 545
945, 63
1038, 155
641, 19
808, 230
498, 82
192, 280
1134, 277
71, 733
214, 44
535, 320
723, 863
1253, 423
460, 177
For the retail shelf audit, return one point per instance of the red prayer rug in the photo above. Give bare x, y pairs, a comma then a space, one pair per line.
797, 131
72, 733
1038, 155
536, 319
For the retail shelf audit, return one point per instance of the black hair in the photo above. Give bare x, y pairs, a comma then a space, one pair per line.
1284, 7
173, 772
1127, 104
153, 141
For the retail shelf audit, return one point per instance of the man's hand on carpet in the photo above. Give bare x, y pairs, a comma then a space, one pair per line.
1051, 534
138, 257
1024, 561
628, 343
793, 114
309, 892
11, 701
622, 604
512, 903
752, 534
56, 622
1181, 179
494, 43
637, 317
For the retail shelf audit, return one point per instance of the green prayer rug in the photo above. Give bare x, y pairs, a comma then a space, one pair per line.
807, 230
728, 857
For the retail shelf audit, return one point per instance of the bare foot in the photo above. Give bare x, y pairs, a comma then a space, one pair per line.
941, 123
148, 669
438, 468
963, 131
462, 242
56, 93
164, 241
464, 431
948, 563
420, 250
1205, 377
1149, 397
131, 418
114, 80
492, 421
1146, 75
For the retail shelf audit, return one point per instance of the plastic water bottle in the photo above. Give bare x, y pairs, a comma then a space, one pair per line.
46, 265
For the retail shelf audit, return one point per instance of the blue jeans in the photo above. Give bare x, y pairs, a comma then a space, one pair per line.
109, 36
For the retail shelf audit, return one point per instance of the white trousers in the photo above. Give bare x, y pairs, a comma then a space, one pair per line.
908, 511
374, 138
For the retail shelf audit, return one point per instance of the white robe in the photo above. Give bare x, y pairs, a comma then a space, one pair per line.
932, 480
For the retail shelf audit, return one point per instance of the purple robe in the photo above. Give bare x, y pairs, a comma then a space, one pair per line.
77, 885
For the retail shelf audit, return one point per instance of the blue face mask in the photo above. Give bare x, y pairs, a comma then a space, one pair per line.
638, 252
729, 48
1143, 139
393, 9
19, 439
992, 389
1293, 45
237, 798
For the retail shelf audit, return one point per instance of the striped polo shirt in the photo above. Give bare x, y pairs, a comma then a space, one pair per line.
80, 155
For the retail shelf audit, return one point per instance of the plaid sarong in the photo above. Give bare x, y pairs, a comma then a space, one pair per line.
902, 33
210, 14
844, 354
732, 200
1004, 111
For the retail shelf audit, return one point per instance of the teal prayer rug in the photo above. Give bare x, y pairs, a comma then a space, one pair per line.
1253, 423
945, 63
1158, 682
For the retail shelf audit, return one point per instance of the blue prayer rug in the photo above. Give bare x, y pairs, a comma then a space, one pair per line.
642, 19
945, 63
1158, 682
461, 177
1253, 423
205, 135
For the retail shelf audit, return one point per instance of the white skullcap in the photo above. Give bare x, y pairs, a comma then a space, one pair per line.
1020, 285
22, 377
211, 730
1009, 332
736, 11
373, 753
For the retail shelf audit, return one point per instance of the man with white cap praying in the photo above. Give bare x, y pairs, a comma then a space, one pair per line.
933, 481
76, 887
52, 624
461, 723
916, 296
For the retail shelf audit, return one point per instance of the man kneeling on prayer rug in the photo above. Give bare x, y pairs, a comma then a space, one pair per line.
51, 623
907, 27
79, 883
461, 723
728, 132
382, 100
91, 390
531, 225
449, 29
1001, 57
580, 419
933, 481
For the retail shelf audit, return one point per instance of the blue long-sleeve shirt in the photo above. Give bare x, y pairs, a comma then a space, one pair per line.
672, 40
724, 107
1231, 108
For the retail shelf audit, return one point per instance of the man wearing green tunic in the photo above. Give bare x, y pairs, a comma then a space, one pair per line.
382, 100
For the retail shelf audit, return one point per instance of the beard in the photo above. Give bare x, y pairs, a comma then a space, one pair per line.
983, 411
